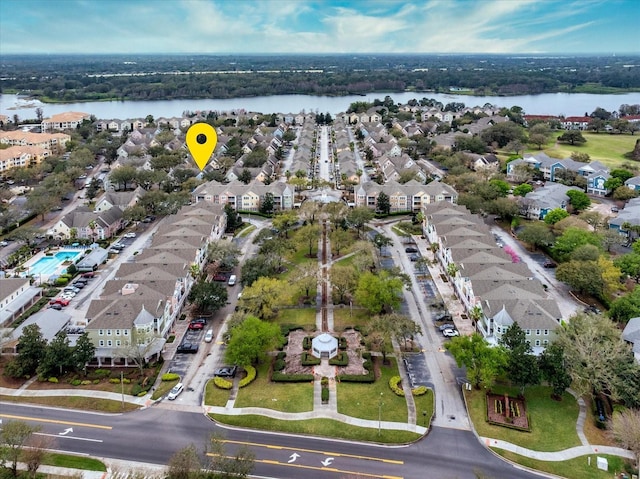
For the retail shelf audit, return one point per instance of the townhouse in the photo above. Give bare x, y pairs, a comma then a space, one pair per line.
410, 197
495, 291
64, 121
82, 223
245, 197
537, 203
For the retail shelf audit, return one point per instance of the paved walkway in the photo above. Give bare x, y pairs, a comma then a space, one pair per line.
563, 455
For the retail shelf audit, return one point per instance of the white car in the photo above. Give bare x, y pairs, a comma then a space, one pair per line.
450, 333
130, 235
175, 392
68, 296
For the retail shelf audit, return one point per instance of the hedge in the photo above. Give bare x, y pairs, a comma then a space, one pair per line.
342, 359
342, 343
419, 391
324, 395
279, 377
170, 376
250, 377
306, 342
309, 360
394, 384
361, 378
222, 383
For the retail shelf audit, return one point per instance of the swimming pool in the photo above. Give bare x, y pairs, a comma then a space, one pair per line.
49, 264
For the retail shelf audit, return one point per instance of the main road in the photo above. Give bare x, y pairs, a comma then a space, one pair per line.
153, 435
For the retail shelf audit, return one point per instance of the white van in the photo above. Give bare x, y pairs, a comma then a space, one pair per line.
175, 392
208, 337
232, 280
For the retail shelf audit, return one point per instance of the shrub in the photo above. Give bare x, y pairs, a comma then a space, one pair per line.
114, 380
53, 380
136, 390
324, 382
96, 381
222, 383
361, 378
141, 393
306, 342
279, 365
342, 359
342, 343
102, 373
394, 384
309, 360
291, 378
419, 391
281, 355
170, 376
86, 382
324, 395
75, 382
126, 381
249, 378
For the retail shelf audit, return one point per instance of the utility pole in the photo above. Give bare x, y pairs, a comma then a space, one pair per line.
122, 387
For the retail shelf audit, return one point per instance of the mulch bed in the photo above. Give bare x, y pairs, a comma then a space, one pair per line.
496, 411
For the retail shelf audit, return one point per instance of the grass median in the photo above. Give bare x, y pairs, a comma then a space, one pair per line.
75, 402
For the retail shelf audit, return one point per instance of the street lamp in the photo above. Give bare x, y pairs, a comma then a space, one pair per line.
380, 403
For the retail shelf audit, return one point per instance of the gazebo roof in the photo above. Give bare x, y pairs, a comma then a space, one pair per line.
324, 343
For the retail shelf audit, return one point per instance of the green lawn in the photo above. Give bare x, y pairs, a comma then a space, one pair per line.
75, 402
424, 404
164, 388
607, 149
214, 396
246, 231
577, 468
74, 462
345, 317
553, 423
363, 400
305, 317
319, 427
286, 397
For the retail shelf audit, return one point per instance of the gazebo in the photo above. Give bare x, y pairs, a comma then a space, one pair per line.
324, 346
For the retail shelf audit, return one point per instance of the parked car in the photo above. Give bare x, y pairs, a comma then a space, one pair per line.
615, 209
414, 257
226, 371
549, 264
55, 306
447, 326
79, 285
450, 333
187, 347
411, 249
442, 316
195, 326
199, 320
232, 280
3, 243
130, 235
208, 337
175, 392
88, 274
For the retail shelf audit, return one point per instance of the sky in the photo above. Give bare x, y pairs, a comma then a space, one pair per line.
322, 26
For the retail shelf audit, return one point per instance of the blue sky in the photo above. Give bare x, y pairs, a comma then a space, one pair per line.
327, 26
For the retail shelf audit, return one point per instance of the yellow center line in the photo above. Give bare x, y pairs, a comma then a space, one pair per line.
54, 421
313, 451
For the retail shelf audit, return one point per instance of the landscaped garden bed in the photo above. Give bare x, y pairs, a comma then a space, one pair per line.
504, 410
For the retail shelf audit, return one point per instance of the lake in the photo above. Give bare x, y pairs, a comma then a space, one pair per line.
567, 104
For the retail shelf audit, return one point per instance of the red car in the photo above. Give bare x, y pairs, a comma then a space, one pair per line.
196, 325
60, 301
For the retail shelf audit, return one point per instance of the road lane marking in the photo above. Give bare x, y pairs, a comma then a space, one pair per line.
313, 468
69, 437
55, 421
313, 451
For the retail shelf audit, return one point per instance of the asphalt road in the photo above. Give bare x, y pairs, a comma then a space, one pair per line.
153, 435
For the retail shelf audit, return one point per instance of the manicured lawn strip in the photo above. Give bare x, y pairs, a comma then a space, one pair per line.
400, 231
246, 231
75, 402
362, 400
424, 404
348, 261
214, 396
553, 423
344, 318
304, 317
74, 462
318, 427
285, 397
577, 468
163, 388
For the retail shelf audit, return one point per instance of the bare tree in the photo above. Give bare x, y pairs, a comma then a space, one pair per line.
35, 452
184, 463
13, 440
625, 429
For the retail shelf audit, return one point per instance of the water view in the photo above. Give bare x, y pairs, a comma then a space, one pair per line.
567, 104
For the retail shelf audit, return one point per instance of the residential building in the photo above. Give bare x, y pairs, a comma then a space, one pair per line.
83, 223
21, 157
64, 121
536, 204
631, 334
16, 296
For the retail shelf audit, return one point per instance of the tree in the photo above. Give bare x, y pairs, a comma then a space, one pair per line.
582, 276
573, 137
539, 134
553, 369
122, 176
83, 352
402, 328
225, 465
537, 234
505, 208
623, 193
259, 266
579, 200
522, 366
208, 296
626, 307
625, 430
250, 341
31, 350
305, 278
309, 236
140, 348
571, 239
379, 293
40, 201
344, 280
309, 210
223, 254
358, 217
555, 215
593, 347
336, 212
522, 189
263, 296
234, 220
381, 241
383, 206
483, 362
184, 463
58, 355
267, 205
340, 239
14, 437
283, 221
245, 176
503, 133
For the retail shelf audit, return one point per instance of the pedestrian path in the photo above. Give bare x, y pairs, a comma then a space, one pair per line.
563, 455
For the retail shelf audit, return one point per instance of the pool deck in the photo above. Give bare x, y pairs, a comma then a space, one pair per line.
44, 277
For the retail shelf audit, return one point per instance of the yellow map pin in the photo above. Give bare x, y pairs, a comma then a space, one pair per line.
201, 140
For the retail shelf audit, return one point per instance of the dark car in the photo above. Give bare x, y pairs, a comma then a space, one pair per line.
414, 257
549, 264
200, 320
442, 317
411, 249
79, 285
447, 326
187, 347
226, 371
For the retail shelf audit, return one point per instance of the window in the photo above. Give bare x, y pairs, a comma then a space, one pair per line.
117, 342
527, 332
546, 332
537, 332
537, 342
126, 332
117, 332
101, 343
545, 342
108, 332
101, 332
109, 342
